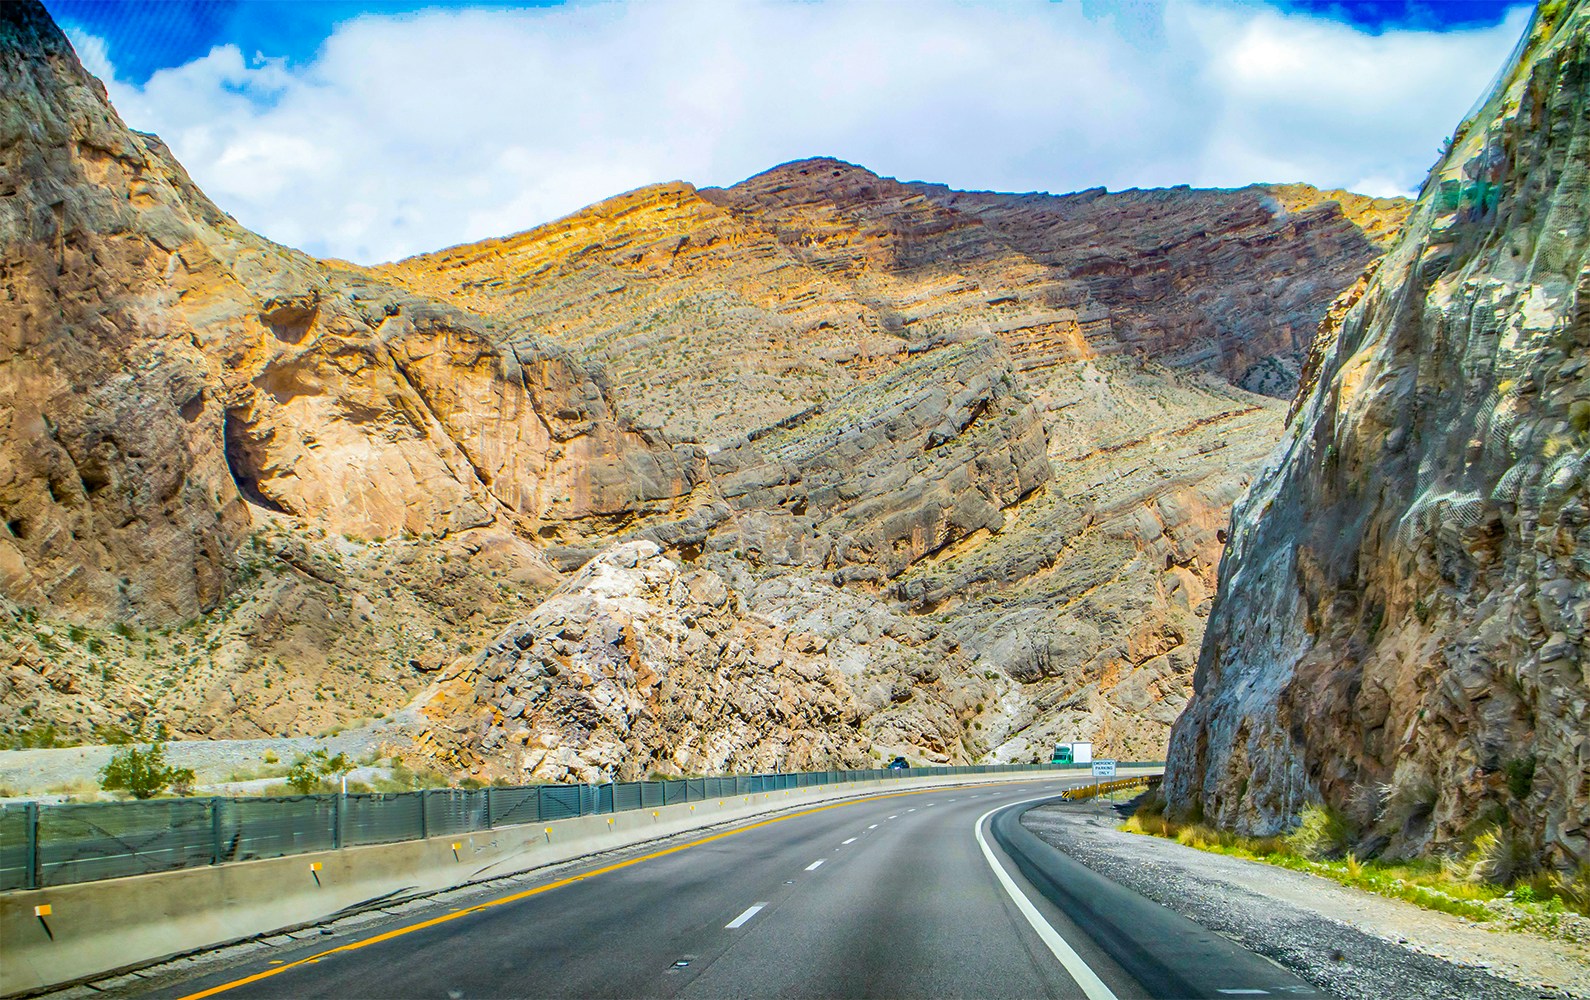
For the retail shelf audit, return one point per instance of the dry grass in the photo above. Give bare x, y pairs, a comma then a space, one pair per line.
1459, 887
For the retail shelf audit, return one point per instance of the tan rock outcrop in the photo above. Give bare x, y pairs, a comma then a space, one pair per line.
1400, 625
970, 452
641, 665
174, 383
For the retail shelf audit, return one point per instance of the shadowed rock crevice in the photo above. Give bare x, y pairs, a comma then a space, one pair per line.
241, 462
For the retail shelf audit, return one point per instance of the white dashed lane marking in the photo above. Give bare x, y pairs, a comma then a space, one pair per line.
814, 864
852, 840
740, 921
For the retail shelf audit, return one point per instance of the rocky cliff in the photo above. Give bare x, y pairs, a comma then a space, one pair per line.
884, 372
820, 467
1400, 625
174, 383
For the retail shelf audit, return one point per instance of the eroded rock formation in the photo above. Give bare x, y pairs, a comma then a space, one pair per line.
1400, 626
956, 464
173, 383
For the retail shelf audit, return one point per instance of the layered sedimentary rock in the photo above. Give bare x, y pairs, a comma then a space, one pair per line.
722, 311
1400, 625
882, 374
1228, 281
957, 462
642, 664
173, 382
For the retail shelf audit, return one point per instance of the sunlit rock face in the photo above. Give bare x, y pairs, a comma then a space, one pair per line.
174, 383
1400, 624
961, 461
1010, 416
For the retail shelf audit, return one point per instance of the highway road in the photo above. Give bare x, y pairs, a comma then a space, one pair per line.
936, 893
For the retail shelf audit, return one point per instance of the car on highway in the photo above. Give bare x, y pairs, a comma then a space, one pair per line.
898, 764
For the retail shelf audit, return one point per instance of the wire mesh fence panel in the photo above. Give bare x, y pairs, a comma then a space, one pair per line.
15, 819
514, 805
626, 796
560, 801
277, 827
382, 818
90, 841
83, 842
650, 794
454, 810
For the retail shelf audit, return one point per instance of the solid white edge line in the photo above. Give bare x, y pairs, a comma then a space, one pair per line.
1078, 969
740, 921
814, 865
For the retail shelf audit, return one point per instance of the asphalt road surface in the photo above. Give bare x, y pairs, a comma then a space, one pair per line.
936, 893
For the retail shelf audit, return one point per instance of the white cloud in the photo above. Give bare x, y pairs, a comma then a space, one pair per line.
409, 133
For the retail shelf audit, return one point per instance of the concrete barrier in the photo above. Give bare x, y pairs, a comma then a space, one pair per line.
71, 933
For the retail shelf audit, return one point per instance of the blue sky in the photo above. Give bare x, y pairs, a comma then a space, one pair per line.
371, 131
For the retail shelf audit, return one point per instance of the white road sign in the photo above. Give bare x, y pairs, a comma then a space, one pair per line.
1104, 769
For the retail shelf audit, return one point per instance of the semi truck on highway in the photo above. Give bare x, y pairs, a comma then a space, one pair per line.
1072, 753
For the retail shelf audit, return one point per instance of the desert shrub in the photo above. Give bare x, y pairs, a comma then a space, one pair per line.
1410, 795
309, 771
1500, 857
1521, 777
1322, 832
143, 772
38, 737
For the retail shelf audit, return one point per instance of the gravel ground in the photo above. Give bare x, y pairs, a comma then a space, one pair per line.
29, 773
1354, 944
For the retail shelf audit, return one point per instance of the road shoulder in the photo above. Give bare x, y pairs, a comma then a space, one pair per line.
1352, 943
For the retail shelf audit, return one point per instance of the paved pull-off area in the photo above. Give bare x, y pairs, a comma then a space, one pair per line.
935, 893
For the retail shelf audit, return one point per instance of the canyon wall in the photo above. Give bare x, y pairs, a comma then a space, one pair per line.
817, 468
1400, 625
175, 384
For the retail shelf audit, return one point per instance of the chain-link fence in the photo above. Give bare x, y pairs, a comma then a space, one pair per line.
48, 845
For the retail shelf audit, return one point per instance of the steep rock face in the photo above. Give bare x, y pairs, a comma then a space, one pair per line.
641, 664
175, 384
913, 460
882, 372
1089, 606
165, 366
1230, 281
1400, 626
723, 311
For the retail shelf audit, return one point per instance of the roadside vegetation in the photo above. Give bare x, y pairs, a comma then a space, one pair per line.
143, 773
1491, 883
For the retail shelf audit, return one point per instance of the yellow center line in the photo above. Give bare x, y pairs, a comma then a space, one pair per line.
526, 894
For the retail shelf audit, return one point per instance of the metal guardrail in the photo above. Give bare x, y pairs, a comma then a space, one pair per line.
43, 845
1089, 791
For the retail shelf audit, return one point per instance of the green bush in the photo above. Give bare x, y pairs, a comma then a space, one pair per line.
144, 773
1500, 857
1521, 777
1322, 832
309, 770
